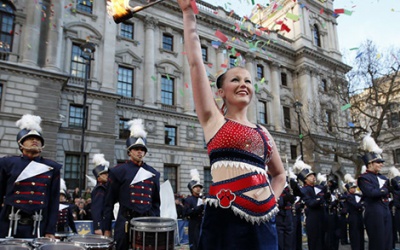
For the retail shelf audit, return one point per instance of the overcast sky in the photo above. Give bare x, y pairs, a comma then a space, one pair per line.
377, 20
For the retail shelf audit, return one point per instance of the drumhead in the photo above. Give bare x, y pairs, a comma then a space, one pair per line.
14, 244
91, 240
153, 224
62, 245
13, 247
43, 240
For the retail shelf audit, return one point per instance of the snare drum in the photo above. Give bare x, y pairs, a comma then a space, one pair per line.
62, 236
153, 233
93, 241
15, 244
42, 241
62, 245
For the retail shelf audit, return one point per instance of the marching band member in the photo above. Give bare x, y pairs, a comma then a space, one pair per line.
284, 218
241, 205
314, 198
394, 177
355, 208
194, 209
374, 187
65, 212
29, 186
98, 195
135, 185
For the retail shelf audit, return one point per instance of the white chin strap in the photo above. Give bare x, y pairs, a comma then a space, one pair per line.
31, 148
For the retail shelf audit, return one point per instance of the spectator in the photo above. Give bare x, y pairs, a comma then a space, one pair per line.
76, 194
87, 194
81, 212
179, 206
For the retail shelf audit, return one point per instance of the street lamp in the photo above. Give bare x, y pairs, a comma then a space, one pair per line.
297, 108
87, 50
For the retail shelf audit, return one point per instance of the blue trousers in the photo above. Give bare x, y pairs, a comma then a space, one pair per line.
223, 230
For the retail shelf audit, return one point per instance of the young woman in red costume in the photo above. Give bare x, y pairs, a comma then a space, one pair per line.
241, 207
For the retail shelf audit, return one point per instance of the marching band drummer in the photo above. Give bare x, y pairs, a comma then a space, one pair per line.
65, 220
135, 185
100, 172
29, 186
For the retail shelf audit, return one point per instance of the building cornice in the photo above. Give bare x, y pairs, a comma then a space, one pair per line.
159, 112
93, 93
38, 73
316, 56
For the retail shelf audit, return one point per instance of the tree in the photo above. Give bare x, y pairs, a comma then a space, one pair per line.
371, 95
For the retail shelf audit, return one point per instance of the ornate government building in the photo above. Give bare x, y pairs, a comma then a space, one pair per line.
139, 70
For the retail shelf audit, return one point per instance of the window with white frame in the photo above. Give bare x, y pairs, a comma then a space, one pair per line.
85, 6
127, 30
167, 90
125, 81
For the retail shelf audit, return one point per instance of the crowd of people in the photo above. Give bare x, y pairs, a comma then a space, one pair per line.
82, 203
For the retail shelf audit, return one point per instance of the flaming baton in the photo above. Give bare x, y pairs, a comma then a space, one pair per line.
121, 11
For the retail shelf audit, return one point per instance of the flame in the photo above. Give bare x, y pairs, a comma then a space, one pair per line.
118, 8
121, 11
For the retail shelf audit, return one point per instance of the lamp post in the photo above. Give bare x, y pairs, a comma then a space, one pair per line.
87, 53
297, 108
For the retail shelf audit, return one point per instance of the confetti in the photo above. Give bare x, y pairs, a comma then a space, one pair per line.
344, 107
194, 7
221, 36
292, 16
215, 44
256, 88
284, 27
339, 11
348, 12
360, 54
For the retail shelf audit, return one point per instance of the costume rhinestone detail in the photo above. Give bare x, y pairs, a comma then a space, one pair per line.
239, 146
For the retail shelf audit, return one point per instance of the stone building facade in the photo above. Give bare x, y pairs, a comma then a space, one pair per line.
139, 70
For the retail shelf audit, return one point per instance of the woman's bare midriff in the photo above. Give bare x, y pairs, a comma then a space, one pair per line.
226, 173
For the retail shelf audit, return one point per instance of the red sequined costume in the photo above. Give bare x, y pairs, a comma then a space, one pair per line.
239, 147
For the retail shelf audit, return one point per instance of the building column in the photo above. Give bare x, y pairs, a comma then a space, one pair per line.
17, 41
109, 81
305, 92
54, 44
276, 101
220, 61
149, 92
252, 109
188, 103
315, 105
30, 42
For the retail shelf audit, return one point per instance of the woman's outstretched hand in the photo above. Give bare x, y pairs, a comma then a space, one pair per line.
185, 4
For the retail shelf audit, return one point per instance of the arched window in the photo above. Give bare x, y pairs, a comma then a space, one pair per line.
6, 26
317, 37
